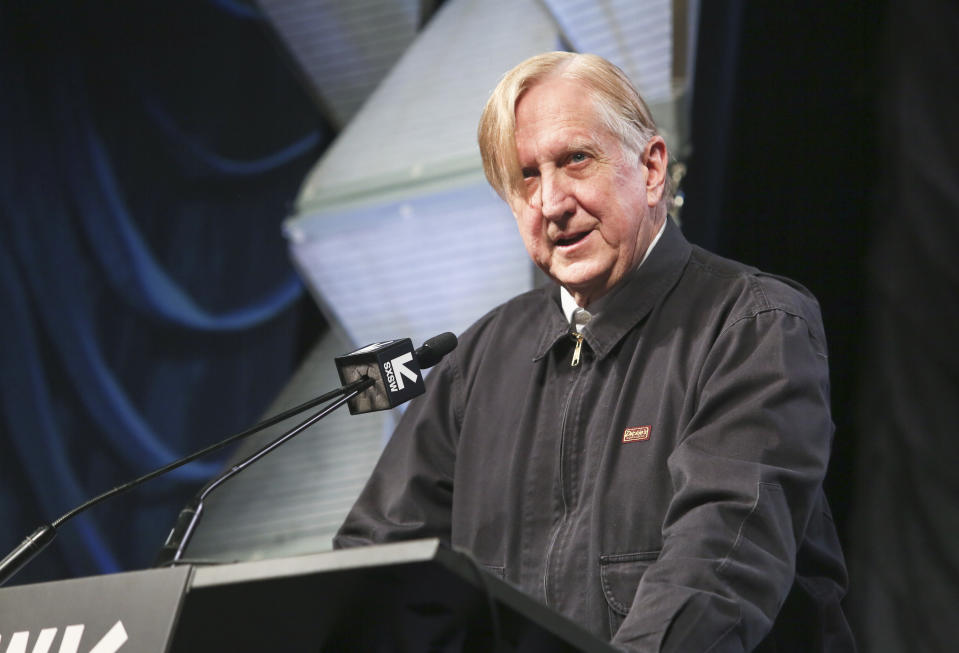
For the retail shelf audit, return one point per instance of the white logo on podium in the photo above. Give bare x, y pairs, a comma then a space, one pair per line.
109, 643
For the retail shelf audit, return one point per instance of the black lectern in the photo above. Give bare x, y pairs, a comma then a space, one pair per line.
411, 596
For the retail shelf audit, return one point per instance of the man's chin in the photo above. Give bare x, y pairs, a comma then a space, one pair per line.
577, 276
589, 288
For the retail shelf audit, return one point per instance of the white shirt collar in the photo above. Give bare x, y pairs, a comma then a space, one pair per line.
570, 305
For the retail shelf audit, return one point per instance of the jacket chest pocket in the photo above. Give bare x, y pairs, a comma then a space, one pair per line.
620, 574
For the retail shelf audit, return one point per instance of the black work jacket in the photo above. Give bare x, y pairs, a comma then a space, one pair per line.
666, 493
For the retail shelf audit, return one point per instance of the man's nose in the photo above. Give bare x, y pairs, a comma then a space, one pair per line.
558, 200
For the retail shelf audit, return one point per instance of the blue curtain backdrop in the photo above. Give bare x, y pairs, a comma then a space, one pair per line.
148, 153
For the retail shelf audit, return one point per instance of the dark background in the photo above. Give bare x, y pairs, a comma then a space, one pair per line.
170, 138
783, 170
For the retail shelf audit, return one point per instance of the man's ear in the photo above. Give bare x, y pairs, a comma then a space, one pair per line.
656, 160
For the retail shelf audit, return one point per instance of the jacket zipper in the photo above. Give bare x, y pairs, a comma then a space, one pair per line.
578, 337
562, 466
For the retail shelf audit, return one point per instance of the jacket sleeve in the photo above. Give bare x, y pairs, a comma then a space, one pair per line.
747, 473
409, 494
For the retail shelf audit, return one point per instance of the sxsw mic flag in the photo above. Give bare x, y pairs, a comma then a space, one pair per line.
394, 368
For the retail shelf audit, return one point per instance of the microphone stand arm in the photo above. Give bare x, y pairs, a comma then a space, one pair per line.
43, 536
189, 517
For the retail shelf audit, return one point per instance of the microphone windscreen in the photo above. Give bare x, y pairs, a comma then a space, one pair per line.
433, 350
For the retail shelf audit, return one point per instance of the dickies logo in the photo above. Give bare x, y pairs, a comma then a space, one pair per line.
637, 433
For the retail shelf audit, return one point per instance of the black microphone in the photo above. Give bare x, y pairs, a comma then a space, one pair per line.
433, 350
379, 376
394, 368
426, 356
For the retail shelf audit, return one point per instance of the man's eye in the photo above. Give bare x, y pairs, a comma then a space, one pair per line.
529, 173
577, 157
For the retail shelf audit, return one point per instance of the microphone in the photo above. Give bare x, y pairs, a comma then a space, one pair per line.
433, 350
426, 356
394, 368
374, 378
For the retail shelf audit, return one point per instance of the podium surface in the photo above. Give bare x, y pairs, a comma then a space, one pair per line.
126, 612
410, 596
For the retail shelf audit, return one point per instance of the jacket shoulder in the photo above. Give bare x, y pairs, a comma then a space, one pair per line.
749, 291
520, 307
516, 323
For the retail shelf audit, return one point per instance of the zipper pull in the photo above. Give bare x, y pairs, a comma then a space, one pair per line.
579, 347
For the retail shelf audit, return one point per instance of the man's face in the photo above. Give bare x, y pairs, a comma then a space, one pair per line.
586, 218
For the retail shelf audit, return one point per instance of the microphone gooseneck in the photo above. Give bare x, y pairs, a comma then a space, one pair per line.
187, 521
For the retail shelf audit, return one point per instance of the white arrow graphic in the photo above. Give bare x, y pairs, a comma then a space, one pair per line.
112, 641
400, 369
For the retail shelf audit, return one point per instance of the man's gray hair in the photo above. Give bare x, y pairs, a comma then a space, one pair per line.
623, 111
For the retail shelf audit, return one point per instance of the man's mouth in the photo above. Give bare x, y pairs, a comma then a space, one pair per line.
571, 239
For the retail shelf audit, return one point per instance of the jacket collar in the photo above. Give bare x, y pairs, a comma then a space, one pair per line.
630, 302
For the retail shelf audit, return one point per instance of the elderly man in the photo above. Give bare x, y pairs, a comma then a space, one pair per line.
642, 445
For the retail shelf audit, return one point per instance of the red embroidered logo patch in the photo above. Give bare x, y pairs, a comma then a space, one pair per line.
637, 433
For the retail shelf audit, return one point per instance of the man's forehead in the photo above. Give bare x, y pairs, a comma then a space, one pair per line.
574, 123
561, 142
555, 95
554, 107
